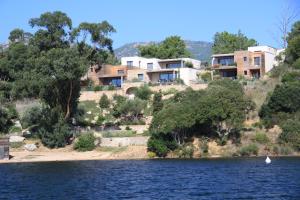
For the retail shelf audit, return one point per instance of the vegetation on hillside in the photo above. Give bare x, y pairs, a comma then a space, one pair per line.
171, 47
48, 65
225, 42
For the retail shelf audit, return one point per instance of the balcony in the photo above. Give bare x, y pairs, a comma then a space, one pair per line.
227, 66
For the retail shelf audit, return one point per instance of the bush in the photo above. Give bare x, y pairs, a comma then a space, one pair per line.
185, 151
291, 133
189, 65
206, 77
261, 138
127, 128
151, 154
5, 120
111, 87
32, 116
161, 144
157, 146
249, 150
293, 76
85, 142
143, 92
104, 101
57, 136
98, 88
15, 129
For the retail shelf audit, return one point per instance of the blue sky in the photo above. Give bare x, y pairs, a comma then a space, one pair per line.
153, 20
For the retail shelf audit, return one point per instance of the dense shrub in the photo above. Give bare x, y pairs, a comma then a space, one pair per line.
85, 142
161, 144
261, 138
5, 120
282, 104
206, 77
249, 150
104, 101
57, 136
98, 88
143, 92
291, 133
32, 116
189, 65
157, 146
157, 102
293, 76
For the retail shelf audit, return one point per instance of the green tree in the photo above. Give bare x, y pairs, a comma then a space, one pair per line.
5, 120
54, 28
18, 35
293, 49
104, 101
225, 42
291, 133
131, 109
171, 47
157, 102
59, 73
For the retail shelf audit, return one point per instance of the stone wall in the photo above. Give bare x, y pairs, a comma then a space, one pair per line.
124, 141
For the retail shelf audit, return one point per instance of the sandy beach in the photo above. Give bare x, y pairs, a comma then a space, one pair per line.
67, 154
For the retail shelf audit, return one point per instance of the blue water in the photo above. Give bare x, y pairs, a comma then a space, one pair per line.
242, 178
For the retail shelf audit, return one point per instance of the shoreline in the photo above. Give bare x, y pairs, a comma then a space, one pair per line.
70, 156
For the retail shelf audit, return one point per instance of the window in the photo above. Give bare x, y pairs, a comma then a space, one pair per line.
167, 77
245, 72
245, 59
226, 61
120, 72
149, 66
141, 77
116, 82
256, 60
173, 65
129, 63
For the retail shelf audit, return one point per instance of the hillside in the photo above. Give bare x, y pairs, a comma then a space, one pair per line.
199, 49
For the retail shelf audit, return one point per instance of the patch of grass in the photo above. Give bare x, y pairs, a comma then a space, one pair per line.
89, 106
15, 145
261, 138
15, 129
249, 150
170, 91
112, 149
125, 133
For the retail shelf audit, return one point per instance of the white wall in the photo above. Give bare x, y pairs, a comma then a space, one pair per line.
188, 74
269, 61
141, 62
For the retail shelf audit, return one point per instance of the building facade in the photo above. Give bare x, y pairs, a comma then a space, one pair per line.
148, 70
252, 63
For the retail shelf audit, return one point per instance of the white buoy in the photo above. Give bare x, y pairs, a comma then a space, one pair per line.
268, 160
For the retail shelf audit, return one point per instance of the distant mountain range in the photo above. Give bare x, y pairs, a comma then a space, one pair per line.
200, 50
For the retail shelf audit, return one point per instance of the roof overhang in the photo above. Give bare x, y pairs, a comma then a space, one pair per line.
222, 55
162, 70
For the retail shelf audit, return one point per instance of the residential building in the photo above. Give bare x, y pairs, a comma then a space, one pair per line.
163, 70
148, 70
252, 63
